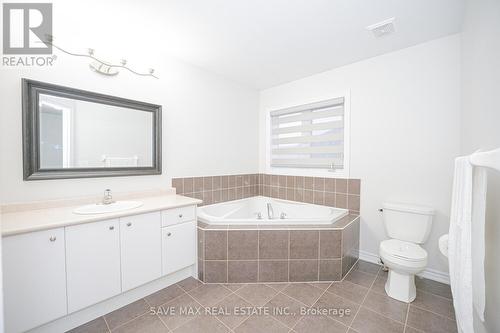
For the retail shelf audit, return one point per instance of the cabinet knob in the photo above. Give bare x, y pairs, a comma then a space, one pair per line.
111, 228
53, 238
180, 216
129, 224
169, 234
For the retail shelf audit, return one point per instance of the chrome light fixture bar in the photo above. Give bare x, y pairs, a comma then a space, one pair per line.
101, 66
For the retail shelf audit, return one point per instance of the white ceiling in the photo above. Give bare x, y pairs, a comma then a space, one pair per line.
263, 43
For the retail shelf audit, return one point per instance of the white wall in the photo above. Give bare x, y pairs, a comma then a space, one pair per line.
209, 126
405, 129
480, 121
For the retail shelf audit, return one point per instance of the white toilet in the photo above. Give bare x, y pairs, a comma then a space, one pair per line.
407, 226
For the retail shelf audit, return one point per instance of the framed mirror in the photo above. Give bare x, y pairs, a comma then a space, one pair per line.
71, 133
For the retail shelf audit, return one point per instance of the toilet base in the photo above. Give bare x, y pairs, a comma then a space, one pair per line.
401, 286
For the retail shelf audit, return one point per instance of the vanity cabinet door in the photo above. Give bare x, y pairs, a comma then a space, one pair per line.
178, 247
34, 276
92, 263
140, 238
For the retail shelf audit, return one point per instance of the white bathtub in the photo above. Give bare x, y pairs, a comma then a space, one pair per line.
246, 212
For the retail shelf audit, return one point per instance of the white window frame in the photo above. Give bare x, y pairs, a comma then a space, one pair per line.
314, 172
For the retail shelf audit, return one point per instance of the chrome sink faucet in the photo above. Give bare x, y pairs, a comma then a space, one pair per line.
107, 199
270, 211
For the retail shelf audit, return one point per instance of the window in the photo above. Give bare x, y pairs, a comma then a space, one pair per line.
311, 136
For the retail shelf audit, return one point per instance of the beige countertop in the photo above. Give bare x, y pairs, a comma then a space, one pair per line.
18, 221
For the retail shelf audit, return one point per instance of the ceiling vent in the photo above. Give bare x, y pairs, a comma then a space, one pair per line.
383, 28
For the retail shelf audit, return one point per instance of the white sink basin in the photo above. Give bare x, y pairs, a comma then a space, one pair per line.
111, 208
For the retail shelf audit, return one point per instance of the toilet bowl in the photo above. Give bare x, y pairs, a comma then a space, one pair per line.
404, 260
407, 226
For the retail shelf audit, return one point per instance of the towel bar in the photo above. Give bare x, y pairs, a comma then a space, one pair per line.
489, 159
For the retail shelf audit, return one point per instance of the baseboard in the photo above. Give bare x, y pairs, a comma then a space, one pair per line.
435, 275
429, 273
368, 256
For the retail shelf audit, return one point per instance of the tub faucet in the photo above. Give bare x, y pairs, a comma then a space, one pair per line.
270, 211
107, 198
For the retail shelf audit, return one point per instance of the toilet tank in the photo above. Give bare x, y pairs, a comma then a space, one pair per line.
409, 223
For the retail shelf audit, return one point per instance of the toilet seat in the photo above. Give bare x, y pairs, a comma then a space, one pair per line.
399, 250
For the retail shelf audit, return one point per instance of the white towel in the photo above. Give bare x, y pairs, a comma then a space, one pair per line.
465, 187
478, 239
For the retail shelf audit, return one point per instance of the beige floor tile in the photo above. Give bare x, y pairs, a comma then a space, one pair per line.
234, 286
349, 290
367, 321
278, 286
409, 329
202, 325
163, 296
440, 305
433, 287
146, 323
179, 311
337, 308
319, 324
235, 312
126, 313
303, 292
285, 309
209, 294
95, 326
261, 324
360, 278
189, 284
367, 267
286, 302
379, 284
256, 294
430, 322
386, 306
320, 285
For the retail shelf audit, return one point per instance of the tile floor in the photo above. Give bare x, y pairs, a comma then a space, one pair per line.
356, 304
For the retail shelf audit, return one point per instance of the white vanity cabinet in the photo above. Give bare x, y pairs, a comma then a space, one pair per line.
92, 263
140, 238
34, 275
178, 246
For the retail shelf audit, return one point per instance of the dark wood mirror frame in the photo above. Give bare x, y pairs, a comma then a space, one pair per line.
31, 130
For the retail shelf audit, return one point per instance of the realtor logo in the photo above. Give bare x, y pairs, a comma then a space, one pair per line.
25, 28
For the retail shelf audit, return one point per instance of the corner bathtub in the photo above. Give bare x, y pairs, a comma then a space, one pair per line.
253, 211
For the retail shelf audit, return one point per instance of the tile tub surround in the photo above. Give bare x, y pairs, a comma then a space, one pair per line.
237, 254
334, 192
215, 189
361, 291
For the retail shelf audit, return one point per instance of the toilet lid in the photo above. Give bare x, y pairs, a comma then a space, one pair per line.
403, 250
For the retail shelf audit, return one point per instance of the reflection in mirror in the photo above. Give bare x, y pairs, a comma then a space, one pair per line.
80, 134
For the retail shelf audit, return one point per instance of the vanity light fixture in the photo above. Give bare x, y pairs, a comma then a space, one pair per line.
101, 66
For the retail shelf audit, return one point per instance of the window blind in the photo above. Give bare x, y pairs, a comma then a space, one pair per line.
309, 136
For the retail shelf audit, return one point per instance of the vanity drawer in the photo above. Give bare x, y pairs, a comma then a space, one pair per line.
178, 215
